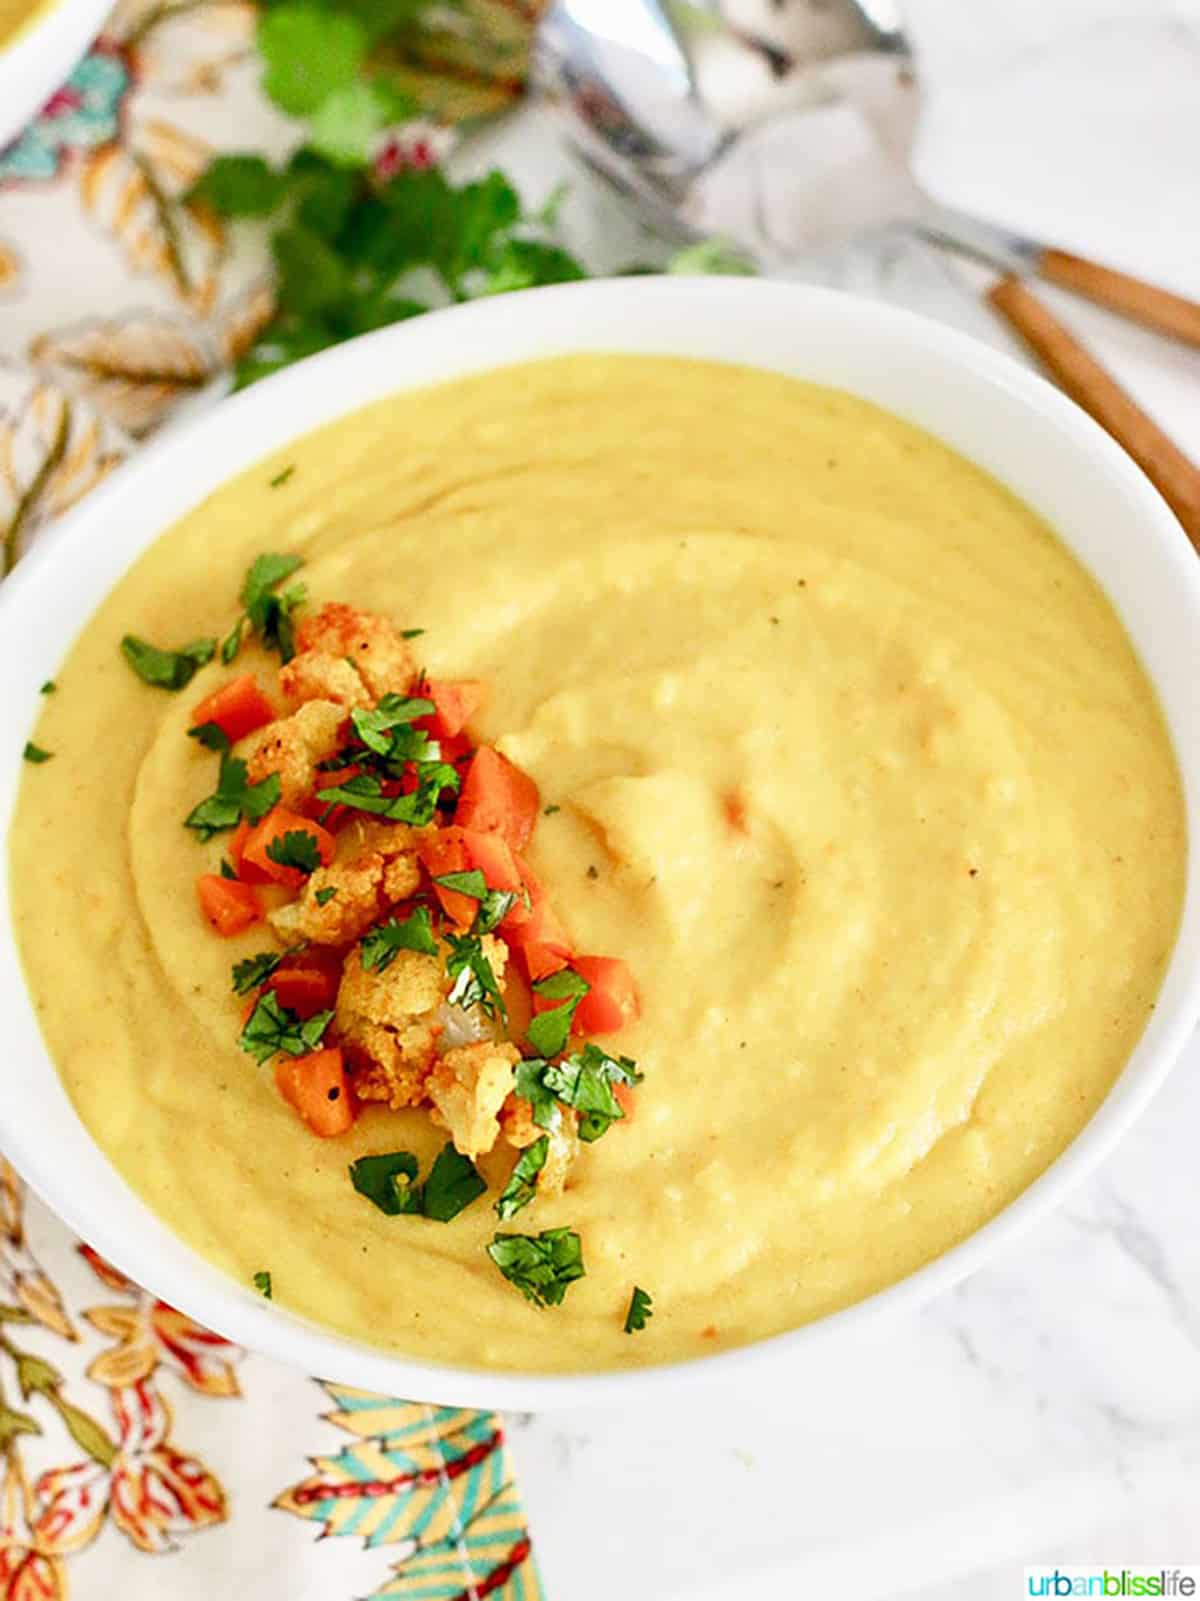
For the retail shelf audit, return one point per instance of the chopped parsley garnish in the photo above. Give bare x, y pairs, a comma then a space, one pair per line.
453, 1183
281, 478
255, 971
297, 848
388, 1182
227, 869
379, 728
541, 1266
167, 669
48, 687
35, 753
211, 735
584, 1081
266, 612
474, 981
234, 799
471, 883
262, 1283
411, 633
272, 1028
549, 811
522, 1184
640, 1311
385, 942
494, 904
365, 793
324, 896
549, 1031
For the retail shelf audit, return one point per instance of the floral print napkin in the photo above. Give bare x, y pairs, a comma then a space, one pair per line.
140, 1454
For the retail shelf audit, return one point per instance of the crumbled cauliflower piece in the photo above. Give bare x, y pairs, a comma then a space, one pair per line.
496, 952
468, 1086
519, 1129
560, 1153
313, 675
336, 636
396, 844
391, 1065
344, 916
410, 986
401, 878
292, 747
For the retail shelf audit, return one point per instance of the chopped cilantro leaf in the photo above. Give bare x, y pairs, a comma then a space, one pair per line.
281, 478
383, 944
269, 614
297, 848
48, 687
584, 1081
240, 186
254, 971
386, 730
541, 1265
226, 869
364, 793
211, 735
167, 669
453, 1183
522, 1183
232, 642
411, 633
567, 985
531, 1086
35, 753
324, 896
308, 54
549, 811
640, 1311
548, 1032
493, 909
474, 981
388, 1182
233, 799
272, 1028
472, 883
262, 1283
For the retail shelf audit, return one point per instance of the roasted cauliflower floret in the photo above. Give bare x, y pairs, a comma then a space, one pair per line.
292, 747
391, 1065
333, 638
516, 1122
345, 915
313, 675
396, 844
409, 987
468, 1086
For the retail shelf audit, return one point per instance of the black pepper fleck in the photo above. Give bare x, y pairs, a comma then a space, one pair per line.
593, 871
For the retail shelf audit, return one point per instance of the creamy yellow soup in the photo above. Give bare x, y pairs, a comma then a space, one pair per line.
870, 1018
15, 15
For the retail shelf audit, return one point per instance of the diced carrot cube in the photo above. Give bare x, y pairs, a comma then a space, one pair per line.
454, 704
441, 853
228, 906
612, 998
303, 990
498, 798
237, 708
316, 1087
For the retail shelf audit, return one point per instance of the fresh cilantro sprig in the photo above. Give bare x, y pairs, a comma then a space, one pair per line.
583, 1081
542, 1266
641, 1310
474, 981
234, 798
522, 1184
386, 940
272, 1028
254, 971
35, 754
266, 612
365, 792
262, 1283
390, 1183
167, 669
549, 1031
297, 848
494, 904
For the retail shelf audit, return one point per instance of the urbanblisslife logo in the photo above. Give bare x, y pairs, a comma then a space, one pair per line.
1183, 1582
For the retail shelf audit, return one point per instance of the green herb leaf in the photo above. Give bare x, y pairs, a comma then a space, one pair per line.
297, 848
567, 985
493, 909
472, 883
255, 971
531, 1086
272, 1028
211, 735
584, 1081
281, 478
240, 186
474, 982
227, 870
411, 633
522, 1183
269, 613
364, 793
453, 1183
262, 1283
382, 945
167, 669
388, 1182
48, 687
345, 127
548, 1032
386, 729
541, 1266
549, 811
35, 753
308, 53
234, 799
324, 896
640, 1311
232, 642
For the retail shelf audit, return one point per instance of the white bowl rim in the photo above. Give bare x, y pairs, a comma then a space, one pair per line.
348, 377
42, 57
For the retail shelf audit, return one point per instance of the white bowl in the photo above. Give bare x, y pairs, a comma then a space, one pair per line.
39, 58
981, 403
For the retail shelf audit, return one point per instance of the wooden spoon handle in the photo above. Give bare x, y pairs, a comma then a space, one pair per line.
1142, 302
1078, 372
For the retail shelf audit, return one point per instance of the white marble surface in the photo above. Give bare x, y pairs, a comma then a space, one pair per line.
1050, 1408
